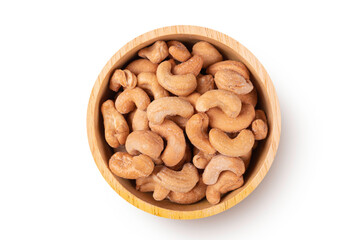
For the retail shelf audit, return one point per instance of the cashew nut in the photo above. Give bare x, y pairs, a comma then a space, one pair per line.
176, 145
193, 65
227, 181
192, 98
230, 65
225, 100
236, 147
149, 83
178, 51
220, 163
259, 129
151, 184
181, 85
155, 53
232, 81
186, 159
138, 120
115, 125
247, 158
125, 78
179, 181
196, 129
168, 106
208, 53
142, 65
194, 195
126, 166
204, 83
218, 119
129, 98
145, 142
201, 159
249, 98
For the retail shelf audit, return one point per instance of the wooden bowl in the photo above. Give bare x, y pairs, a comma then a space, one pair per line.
261, 159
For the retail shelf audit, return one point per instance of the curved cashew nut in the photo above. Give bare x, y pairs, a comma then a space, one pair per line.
138, 120
192, 98
204, 83
227, 181
168, 106
208, 53
186, 159
181, 85
155, 53
179, 181
145, 142
115, 125
149, 82
218, 119
142, 65
176, 144
125, 165
225, 100
194, 195
236, 147
230, 65
232, 81
151, 184
220, 163
125, 78
249, 98
259, 125
129, 98
178, 51
201, 159
193, 65
196, 129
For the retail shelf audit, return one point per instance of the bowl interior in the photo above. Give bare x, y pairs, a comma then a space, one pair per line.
259, 154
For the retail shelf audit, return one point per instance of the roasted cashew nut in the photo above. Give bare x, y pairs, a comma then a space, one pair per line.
249, 98
181, 85
138, 120
232, 81
186, 159
178, 51
227, 181
236, 147
201, 159
227, 101
131, 98
115, 125
220, 163
122, 78
176, 144
155, 53
196, 129
126, 166
193, 65
179, 181
168, 106
150, 184
194, 195
204, 83
259, 125
208, 53
142, 65
218, 119
146, 142
229, 65
149, 83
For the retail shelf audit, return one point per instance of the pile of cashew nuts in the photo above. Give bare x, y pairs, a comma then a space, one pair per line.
184, 124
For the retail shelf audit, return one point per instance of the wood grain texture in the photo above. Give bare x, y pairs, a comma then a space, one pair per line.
262, 158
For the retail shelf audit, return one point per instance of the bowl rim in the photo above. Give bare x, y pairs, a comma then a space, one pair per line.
250, 60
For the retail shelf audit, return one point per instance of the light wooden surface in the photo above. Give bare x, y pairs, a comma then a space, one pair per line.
261, 160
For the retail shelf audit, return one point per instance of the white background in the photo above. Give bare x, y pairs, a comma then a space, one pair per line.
51, 54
